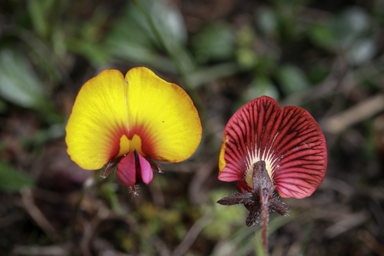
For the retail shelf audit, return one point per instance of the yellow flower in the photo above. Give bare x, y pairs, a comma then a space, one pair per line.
129, 121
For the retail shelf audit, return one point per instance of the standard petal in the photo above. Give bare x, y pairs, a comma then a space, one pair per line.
126, 170
289, 141
98, 120
163, 115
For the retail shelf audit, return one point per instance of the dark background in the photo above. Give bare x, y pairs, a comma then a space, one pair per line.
324, 56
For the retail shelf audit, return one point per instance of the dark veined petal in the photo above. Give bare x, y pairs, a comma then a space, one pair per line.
289, 141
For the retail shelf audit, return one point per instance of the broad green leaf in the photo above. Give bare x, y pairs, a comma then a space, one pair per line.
132, 39
19, 84
12, 180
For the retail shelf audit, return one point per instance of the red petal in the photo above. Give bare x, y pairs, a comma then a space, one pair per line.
243, 187
134, 168
145, 169
289, 141
126, 170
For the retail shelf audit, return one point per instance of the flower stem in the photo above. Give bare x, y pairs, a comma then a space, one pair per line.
264, 198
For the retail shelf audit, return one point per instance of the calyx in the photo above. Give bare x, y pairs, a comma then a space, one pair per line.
261, 193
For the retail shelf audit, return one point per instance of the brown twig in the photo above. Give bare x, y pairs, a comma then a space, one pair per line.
371, 242
192, 234
195, 193
355, 114
349, 222
50, 250
37, 215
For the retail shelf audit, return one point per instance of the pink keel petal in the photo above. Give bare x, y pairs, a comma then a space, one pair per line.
146, 170
126, 170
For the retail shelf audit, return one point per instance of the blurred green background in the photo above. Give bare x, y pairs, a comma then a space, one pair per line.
325, 56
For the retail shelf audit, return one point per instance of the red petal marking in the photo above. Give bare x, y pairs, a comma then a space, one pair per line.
288, 140
145, 169
148, 143
126, 170
243, 187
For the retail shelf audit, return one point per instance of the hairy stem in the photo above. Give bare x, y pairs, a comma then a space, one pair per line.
264, 198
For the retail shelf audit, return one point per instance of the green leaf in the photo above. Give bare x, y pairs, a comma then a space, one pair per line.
12, 180
350, 25
169, 19
19, 84
225, 219
261, 86
108, 191
207, 74
38, 11
361, 51
292, 79
322, 35
214, 42
95, 53
131, 38
266, 20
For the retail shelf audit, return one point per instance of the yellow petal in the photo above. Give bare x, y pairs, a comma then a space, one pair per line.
163, 115
98, 120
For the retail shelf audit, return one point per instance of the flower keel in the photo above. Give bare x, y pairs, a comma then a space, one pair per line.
133, 168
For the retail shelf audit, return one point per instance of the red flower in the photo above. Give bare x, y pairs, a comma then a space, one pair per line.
266, 148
